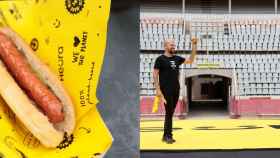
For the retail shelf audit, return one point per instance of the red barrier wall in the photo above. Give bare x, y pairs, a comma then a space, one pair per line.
249, 106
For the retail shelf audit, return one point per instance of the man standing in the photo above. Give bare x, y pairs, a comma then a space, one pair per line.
166, 78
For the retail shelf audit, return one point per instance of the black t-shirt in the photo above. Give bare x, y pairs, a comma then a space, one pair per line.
169, 72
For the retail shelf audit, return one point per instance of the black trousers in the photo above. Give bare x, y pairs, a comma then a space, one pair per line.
171, 98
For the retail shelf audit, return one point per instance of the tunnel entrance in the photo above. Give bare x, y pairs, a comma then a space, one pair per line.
208, 96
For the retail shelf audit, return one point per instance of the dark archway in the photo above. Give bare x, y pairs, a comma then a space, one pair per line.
208, 95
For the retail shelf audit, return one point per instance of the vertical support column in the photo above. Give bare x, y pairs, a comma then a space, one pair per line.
184, 32
235, 93
182, 93
182, 81
275, 6
229, 6
183, 16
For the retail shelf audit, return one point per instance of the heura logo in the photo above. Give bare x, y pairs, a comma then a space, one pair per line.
74, 6
67, 140
34, 44
79, 48
172, 64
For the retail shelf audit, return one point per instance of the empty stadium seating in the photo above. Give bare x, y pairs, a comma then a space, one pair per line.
248, 44
257, 74
215, 32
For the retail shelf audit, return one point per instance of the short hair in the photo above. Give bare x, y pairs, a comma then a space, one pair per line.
167, 41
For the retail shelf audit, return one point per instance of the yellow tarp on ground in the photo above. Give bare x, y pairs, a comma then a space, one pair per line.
212, 134
70, 37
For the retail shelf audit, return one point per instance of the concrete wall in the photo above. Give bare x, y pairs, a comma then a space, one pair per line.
118, 87
210, 6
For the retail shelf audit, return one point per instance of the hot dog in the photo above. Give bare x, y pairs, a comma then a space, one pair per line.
33, 92
19, 68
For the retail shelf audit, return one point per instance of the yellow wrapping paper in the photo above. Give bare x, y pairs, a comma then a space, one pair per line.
156, 104
70, 37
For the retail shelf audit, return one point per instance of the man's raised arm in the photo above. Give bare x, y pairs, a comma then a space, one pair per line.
192, 57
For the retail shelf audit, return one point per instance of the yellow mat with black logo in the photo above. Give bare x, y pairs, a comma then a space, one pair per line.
212, 134
70, 37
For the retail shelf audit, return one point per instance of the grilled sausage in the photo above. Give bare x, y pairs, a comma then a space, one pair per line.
27, 79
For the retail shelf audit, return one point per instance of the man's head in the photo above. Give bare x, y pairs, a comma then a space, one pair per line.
169, 46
